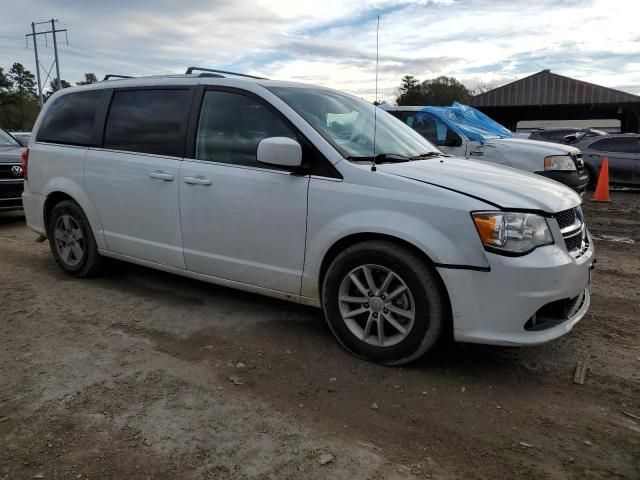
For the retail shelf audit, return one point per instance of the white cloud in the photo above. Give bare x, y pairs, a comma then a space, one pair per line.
333, 42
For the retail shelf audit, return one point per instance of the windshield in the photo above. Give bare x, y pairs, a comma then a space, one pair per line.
7, 140
347, 122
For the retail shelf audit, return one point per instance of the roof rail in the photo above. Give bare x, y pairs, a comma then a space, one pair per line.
110, 76
190, 70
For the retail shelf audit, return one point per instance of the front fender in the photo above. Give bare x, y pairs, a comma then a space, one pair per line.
437, 222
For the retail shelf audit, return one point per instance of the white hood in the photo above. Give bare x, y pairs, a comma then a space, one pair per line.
544, 148
503, 187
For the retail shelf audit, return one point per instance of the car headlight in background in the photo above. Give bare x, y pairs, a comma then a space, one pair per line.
512, 232
559, 162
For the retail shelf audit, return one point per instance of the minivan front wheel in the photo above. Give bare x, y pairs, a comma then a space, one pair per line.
383, 302
71, 240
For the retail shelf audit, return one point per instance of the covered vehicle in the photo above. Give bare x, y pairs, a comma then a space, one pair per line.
463, 131
11, 174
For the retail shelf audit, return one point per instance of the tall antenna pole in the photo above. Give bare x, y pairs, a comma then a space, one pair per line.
35, 49
55, 52
375, 104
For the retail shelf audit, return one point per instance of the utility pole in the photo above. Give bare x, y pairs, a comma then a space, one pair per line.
35, 34
35, 49
55, 51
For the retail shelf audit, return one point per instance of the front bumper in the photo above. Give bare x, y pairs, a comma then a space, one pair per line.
11, 194
497, 307
575, 180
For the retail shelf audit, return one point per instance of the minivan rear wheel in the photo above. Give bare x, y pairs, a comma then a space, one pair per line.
383, 302
72, 242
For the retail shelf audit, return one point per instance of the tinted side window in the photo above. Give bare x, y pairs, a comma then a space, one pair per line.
619, 145
432, 128
148, 121
231, 125
70, 120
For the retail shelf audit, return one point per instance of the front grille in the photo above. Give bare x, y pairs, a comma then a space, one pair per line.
6, 173
10, 190
566, 218
573, 231
555, 313
574, 242
577, 159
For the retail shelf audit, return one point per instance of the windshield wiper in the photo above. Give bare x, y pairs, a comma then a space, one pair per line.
384, 158
396, 157
428, 155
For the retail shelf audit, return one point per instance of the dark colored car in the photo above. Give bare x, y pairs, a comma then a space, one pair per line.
565, 135
623, 152
11, 175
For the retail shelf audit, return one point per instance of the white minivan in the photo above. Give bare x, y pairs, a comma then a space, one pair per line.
311, 195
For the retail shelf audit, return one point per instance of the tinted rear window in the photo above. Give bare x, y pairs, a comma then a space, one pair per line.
618, 144
70, 120
148, 121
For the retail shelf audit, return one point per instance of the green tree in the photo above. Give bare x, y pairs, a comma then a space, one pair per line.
53, 85
88, 79
5, 81
440, 91
409, 91
24, 82
18, 102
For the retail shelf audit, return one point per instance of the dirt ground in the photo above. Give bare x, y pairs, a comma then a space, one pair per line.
141, 375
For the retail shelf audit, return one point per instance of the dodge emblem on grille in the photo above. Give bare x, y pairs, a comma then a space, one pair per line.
16, 171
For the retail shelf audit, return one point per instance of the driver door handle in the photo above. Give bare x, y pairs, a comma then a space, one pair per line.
198, 181
167, 177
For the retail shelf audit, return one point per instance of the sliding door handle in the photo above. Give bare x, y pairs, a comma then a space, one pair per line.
199, 180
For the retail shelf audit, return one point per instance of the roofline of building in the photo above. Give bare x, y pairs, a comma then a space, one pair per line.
480, 95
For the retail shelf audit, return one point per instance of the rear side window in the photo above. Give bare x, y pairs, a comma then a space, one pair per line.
618, 144
70, 120
231, 125
148, 121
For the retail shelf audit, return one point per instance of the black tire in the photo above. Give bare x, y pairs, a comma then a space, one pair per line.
87, 264
429, 303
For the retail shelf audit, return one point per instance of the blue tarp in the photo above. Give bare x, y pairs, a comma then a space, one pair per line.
469, 121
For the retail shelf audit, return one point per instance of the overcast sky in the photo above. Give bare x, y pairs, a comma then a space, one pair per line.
333, 43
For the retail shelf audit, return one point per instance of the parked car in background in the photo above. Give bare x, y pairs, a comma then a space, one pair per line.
565, 135
623, 152
11, 175
22, 137
270, 187
463, 131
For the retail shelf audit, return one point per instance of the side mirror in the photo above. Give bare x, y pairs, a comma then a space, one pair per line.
280, 151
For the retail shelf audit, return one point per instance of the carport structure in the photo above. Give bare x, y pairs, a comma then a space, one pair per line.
549, 96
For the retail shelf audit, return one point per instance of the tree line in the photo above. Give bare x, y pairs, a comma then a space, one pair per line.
440, 91
19, 105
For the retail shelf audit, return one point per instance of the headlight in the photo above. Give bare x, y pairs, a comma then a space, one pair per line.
512, 232
559, 162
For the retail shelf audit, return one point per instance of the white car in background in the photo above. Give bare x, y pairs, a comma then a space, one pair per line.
439, 125
270, 187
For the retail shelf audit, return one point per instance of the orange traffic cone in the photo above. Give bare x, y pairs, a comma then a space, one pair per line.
602, 189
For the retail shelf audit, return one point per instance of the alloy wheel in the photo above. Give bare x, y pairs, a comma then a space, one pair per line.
69, 240
376, 305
